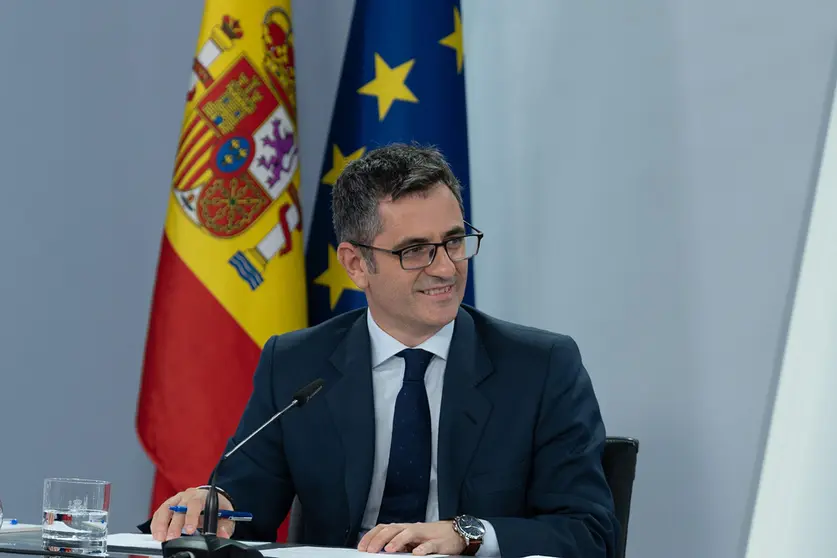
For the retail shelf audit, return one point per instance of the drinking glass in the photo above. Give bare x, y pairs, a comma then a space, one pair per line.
76, 515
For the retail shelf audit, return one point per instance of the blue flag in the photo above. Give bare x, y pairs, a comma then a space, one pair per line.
403, 81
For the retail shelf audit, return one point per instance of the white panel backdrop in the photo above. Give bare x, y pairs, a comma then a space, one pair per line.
794, 512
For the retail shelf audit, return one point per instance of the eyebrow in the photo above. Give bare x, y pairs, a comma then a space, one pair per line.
404, 243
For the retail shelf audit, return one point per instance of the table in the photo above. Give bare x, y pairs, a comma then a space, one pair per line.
31, 540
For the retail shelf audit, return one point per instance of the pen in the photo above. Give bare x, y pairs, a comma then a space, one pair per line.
223, 514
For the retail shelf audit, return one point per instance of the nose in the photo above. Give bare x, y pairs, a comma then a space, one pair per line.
442, 265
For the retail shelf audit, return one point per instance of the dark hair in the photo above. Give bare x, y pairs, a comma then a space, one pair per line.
389, 172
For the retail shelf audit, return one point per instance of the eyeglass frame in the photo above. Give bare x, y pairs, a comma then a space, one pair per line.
436, 245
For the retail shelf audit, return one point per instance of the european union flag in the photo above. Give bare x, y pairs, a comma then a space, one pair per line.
402, 81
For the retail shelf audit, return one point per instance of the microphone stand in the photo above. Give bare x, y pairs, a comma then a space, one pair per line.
209, 544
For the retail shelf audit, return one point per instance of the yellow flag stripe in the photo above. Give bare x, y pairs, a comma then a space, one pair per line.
241, 234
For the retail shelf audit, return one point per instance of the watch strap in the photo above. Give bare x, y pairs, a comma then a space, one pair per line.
471, 545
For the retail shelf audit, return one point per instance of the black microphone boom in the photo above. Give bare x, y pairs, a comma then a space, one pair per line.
309, 391
209, 544
300, 398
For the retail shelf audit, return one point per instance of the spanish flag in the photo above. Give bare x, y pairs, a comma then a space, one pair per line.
231, 271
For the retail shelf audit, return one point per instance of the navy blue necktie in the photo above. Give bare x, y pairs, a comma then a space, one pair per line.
408, 472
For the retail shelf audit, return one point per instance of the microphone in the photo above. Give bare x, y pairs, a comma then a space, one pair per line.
209, 544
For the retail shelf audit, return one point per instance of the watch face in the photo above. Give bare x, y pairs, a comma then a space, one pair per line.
471, 527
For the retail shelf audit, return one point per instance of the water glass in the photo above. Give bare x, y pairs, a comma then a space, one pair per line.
76, 515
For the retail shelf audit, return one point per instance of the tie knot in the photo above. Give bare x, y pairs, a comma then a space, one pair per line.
416, 364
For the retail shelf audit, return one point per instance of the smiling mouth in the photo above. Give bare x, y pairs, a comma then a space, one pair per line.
438, 291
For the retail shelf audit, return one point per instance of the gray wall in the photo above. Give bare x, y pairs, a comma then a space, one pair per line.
655, 156
641, 170
320, 42
92, 101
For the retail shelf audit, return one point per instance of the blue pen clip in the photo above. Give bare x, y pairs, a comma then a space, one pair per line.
223, 514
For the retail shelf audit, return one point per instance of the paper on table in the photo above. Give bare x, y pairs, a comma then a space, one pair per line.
18, 527
323, 552
135, 540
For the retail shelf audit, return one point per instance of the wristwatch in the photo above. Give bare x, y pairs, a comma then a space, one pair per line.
471, 530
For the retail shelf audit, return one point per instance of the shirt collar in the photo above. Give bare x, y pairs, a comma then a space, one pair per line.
385, 346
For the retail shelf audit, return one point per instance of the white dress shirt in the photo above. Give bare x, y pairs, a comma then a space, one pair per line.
387, 377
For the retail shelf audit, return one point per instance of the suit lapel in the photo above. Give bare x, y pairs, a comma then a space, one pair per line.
350, 402
464, 411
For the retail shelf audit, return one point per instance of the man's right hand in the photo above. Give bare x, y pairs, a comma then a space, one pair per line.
167, 525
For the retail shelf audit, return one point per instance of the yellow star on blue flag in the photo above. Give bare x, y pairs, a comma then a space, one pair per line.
403, 81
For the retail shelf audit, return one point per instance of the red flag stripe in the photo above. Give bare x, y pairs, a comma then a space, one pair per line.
208, 345
194, 348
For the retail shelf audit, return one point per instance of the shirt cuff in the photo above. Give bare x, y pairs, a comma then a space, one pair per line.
490, 546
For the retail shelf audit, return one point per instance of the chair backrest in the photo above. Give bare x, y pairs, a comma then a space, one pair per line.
618, 461
295, 522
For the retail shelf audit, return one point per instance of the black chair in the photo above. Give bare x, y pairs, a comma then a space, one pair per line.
618, 461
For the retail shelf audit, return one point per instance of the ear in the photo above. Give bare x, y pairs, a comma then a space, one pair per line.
352, 261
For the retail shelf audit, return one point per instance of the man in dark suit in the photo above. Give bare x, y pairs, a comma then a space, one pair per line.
440, 429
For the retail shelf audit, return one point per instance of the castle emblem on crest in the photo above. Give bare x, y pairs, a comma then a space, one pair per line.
238, 149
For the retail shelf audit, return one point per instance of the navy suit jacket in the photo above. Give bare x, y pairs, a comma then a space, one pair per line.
520, 438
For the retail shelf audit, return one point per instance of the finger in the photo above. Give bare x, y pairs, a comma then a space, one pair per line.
384, 536
194, 509
363, 544
427, 547
225, 528
162, 517
177, 519
223, 503
405, 540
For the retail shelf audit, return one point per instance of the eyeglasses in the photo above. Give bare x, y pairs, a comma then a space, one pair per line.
419, 256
